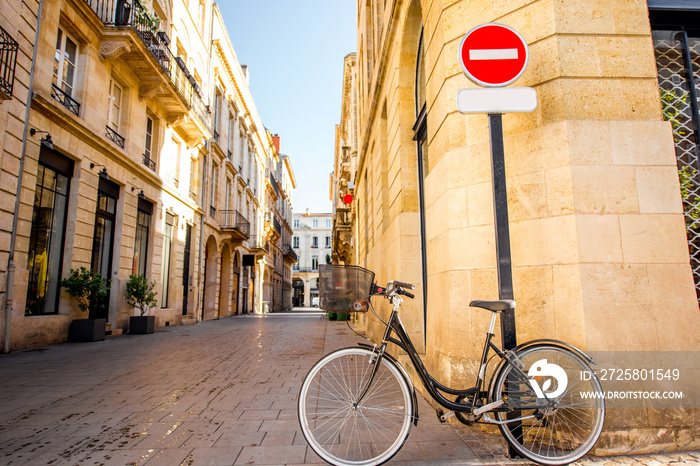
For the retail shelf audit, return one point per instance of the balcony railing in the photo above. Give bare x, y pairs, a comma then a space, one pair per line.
147, 161
260, 244
234, 220
115, 137
122, 13
273, 183
8, 61
287, 250
67, 101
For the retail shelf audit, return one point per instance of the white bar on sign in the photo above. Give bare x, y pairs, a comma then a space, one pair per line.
497, 100
493, 54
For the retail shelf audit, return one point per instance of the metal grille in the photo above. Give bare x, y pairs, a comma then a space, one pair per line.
678, 65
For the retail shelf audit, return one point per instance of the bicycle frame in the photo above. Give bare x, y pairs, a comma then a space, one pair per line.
433, 386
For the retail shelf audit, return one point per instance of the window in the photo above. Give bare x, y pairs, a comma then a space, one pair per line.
148, 145
217, 113
328, 242
295, 267
167, 245
296, 223
143, 225
314, 263
64, 72
115, 105
214, 177
47, 235
295, 242
315, 223
329, 224
314, 242
103, 238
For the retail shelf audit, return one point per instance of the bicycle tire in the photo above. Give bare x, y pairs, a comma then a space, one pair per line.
567, 425
369, 434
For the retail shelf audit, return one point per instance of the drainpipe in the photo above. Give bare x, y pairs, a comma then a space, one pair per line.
9, 287
202, 271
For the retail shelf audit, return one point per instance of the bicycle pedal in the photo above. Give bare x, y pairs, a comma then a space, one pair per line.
444, 416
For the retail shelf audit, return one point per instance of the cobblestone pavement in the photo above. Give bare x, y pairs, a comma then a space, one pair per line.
215, 393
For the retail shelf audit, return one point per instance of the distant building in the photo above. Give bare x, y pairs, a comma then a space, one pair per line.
312, 242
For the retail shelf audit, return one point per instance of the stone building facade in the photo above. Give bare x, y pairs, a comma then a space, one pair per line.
600, 250
143, 153
312, 242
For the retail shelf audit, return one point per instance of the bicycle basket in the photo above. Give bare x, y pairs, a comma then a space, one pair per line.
341, 285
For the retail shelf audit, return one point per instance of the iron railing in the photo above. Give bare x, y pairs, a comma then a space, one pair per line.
287, 250
115, 137
149, 162
122, 13
260, 244
273, 182
8, 61
67, 101
232, 219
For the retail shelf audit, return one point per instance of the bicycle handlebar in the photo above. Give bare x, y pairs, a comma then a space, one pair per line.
407, 286
406, 293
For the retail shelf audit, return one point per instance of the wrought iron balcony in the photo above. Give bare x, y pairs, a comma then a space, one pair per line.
235, 223
147, 161
259, 245
8, 62
121, 16
67, 101
115, 137
273, 183
289, 252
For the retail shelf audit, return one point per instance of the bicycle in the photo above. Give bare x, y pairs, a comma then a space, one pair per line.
356, 405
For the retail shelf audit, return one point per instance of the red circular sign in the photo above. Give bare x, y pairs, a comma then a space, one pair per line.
347, 198
493, 55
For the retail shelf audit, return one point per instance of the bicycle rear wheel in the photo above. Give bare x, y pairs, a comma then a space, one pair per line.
565, 397
341, 430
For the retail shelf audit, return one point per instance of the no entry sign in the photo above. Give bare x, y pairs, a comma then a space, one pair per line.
493, 55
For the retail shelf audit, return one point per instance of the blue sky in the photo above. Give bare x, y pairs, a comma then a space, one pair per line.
295, 51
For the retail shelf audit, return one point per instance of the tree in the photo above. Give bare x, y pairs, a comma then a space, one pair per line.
89, 288
140, 294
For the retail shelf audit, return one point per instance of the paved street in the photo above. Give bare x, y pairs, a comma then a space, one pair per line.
215, 393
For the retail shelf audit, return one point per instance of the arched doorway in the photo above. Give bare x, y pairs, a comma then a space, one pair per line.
211, 265
298, 296
225, 282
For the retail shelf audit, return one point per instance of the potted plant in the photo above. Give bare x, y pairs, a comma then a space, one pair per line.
91, 290
140, 295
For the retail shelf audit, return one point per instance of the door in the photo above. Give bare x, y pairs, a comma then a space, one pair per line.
103, 242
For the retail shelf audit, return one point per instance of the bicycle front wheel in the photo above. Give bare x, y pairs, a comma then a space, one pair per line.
341, 428
560, 399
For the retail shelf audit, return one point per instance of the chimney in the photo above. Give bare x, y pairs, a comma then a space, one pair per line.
276, 142
246, 74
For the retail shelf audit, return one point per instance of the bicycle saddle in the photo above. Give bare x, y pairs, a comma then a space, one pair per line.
494, 306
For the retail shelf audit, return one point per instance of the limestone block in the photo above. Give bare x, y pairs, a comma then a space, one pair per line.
544, 241
480, 204
527, 196
568, 305
559, 191
659, 190
599, 238
615, 295
654, 239
634, 439
471, 248
533, 289
674, 300
604, 189
590, 142
540, 148
642, 143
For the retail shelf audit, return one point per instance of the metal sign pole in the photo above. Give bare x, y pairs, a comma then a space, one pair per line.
500, 211
504, 269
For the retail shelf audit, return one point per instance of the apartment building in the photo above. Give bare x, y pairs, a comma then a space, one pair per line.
142, 153
313, 244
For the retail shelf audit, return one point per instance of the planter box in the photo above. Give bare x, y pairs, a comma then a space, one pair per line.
83, 330
142, 324
332, 316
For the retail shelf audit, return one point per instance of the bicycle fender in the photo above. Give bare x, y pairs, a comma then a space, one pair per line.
529, 344
561, 344
406, 378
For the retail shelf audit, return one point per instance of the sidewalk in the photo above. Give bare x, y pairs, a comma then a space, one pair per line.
215, 393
